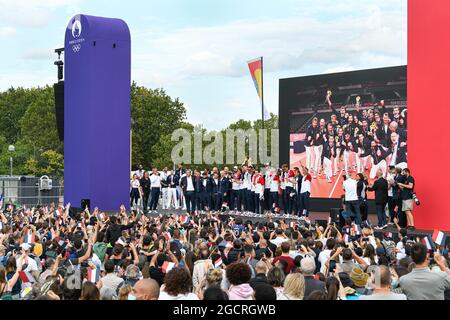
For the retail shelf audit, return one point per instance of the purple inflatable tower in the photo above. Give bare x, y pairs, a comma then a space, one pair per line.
97, 112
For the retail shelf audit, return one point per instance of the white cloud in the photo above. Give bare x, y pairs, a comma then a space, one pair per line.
39, 54
7, 32
370, 35
25, 80
31, 13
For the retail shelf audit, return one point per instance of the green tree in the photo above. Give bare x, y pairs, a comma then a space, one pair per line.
154, 114
162, 150
14, 102
38, 124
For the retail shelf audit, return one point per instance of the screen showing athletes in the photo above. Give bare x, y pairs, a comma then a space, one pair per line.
348, 124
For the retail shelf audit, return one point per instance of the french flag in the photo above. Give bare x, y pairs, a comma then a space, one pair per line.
167, 266
193, 223
184, 219
29, 236
167, 235
26, 276
93, 275
218, 262
427, 242
438, 237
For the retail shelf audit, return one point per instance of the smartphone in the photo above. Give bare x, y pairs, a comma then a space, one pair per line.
332, 266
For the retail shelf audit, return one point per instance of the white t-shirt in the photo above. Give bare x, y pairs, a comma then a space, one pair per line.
155, 181
189, 296
236, 183
31, 264
323, 258
140, 173
190, 185
401, 254
306, 184
278, 241
249, 181
135, 184
274, 184
390, 179
268, 178
350, 186
383, 296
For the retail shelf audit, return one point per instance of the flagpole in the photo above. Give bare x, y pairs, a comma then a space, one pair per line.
262, 92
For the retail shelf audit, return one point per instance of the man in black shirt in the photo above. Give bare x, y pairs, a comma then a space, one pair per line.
339, 142
406, 194
380, 186
378, 155
329, 152
350, 148
363, 145
383, 132
398, 151
311, 135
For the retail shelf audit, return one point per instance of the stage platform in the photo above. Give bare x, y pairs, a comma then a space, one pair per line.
321, 218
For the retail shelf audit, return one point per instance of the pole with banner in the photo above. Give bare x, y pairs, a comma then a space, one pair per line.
262, 92
256, 71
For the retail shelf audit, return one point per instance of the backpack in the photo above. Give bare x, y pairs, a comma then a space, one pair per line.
100, 250
389, 248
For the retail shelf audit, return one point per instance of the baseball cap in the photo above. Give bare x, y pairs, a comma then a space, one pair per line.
25, 246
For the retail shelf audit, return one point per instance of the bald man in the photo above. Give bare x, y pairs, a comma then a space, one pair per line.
145, 289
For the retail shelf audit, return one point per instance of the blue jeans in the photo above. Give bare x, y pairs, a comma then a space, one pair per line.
259, 204
289, 200
154, 197
304, 203
354, 207
380, 214
274, 201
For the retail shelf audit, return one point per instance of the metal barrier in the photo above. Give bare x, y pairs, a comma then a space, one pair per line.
26, 190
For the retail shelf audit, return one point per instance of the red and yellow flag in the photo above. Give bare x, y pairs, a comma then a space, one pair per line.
255, 67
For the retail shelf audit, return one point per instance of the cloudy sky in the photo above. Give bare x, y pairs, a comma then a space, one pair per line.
197, 49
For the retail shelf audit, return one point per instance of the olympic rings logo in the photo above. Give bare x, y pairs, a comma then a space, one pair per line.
76, 48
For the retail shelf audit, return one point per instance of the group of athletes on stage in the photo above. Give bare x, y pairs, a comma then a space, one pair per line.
366, 138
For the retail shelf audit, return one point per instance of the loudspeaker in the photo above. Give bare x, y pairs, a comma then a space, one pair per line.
299, 146
86, 203
58, 89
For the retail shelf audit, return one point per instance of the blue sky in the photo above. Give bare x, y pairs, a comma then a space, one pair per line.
197, 49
